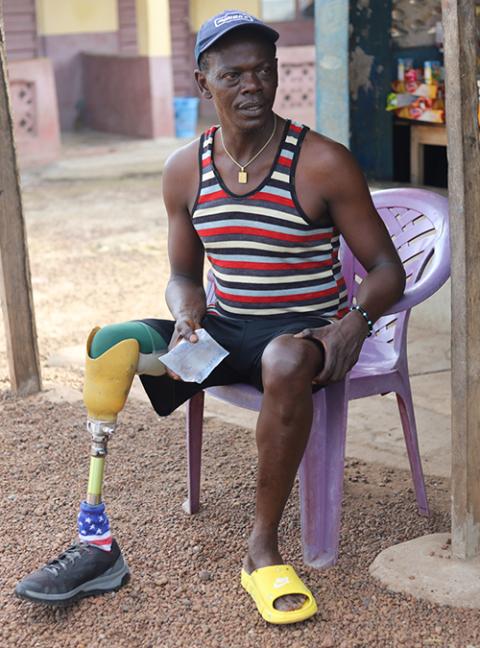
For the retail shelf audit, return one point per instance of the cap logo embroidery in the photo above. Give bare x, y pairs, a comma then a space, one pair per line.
280, 582
222, 20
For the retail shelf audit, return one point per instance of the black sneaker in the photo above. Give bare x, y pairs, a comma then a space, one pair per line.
82, 570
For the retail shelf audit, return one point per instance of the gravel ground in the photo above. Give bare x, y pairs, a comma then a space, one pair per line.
97, 252
185, 589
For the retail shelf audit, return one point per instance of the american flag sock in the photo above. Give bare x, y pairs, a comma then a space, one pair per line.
93, 526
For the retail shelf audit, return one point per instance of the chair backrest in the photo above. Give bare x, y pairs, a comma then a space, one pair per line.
417, 221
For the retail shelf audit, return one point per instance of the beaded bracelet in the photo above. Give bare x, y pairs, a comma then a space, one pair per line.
365, 316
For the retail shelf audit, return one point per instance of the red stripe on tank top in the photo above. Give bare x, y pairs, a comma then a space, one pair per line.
308, 265
273, 198
215, 195
265, 233
272, 299
341, 285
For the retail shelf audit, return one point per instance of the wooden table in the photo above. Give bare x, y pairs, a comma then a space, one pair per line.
420, 135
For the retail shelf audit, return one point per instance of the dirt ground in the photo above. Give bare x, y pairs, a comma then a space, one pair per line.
98, 255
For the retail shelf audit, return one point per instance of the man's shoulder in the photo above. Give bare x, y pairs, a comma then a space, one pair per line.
319, 144
323, 155
325, 169
184, 158
188, 154
180, 176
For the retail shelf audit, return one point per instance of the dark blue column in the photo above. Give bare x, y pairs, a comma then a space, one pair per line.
371, 127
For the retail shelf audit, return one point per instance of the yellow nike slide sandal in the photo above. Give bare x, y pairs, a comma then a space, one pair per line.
267, 584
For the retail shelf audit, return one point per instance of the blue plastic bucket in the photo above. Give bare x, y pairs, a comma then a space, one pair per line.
186, 114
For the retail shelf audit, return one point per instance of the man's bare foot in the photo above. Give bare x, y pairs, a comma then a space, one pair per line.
257, 558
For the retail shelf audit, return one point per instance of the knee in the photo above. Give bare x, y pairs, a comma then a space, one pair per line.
148, 339
287, 366
151, 345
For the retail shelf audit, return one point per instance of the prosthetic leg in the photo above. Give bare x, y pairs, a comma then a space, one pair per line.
114, 355
108, 379
95, 564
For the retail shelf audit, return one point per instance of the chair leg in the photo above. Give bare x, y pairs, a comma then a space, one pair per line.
321, 477
407, 416
194, 430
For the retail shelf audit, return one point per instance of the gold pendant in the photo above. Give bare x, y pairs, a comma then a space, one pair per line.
242, 177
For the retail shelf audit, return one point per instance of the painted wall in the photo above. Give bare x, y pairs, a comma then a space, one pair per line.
65, 30
20, 29
35, 115
415, 24
153, 28
201, 10
127, 27
145, 110
56, 17
68, 29
65, 52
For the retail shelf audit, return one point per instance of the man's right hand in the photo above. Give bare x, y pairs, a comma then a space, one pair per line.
185, 328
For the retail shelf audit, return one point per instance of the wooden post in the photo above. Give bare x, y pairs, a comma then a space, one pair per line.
15, 285
464, 196
332, 92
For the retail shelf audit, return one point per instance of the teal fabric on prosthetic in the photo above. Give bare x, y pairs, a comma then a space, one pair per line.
150, 341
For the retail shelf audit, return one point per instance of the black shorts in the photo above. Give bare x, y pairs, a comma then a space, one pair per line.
245, 339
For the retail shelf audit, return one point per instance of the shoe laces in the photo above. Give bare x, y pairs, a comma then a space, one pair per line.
67, 558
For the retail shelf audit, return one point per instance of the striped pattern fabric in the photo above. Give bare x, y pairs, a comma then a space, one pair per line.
267, 257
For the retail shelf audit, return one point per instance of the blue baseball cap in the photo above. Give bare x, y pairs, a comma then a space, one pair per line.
224, 22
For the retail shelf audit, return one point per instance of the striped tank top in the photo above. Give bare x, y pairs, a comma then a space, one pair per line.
267, 257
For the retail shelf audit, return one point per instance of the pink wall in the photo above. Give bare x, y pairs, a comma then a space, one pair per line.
66, 55
131, 95
20, 29
34, 108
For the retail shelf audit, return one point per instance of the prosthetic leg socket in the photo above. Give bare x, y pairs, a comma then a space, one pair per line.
108, 379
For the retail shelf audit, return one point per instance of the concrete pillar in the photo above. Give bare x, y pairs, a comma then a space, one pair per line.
154, 43
332, 95
153, 28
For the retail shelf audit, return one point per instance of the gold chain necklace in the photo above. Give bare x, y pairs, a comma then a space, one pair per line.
242, 174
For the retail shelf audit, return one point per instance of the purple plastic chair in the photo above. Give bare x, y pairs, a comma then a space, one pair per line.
418, 224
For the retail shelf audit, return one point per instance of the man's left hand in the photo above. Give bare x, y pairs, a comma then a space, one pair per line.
342, 342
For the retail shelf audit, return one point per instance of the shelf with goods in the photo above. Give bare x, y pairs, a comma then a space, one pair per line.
417, 35
418, 92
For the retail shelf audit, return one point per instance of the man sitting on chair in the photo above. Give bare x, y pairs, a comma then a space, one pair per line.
265, 199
